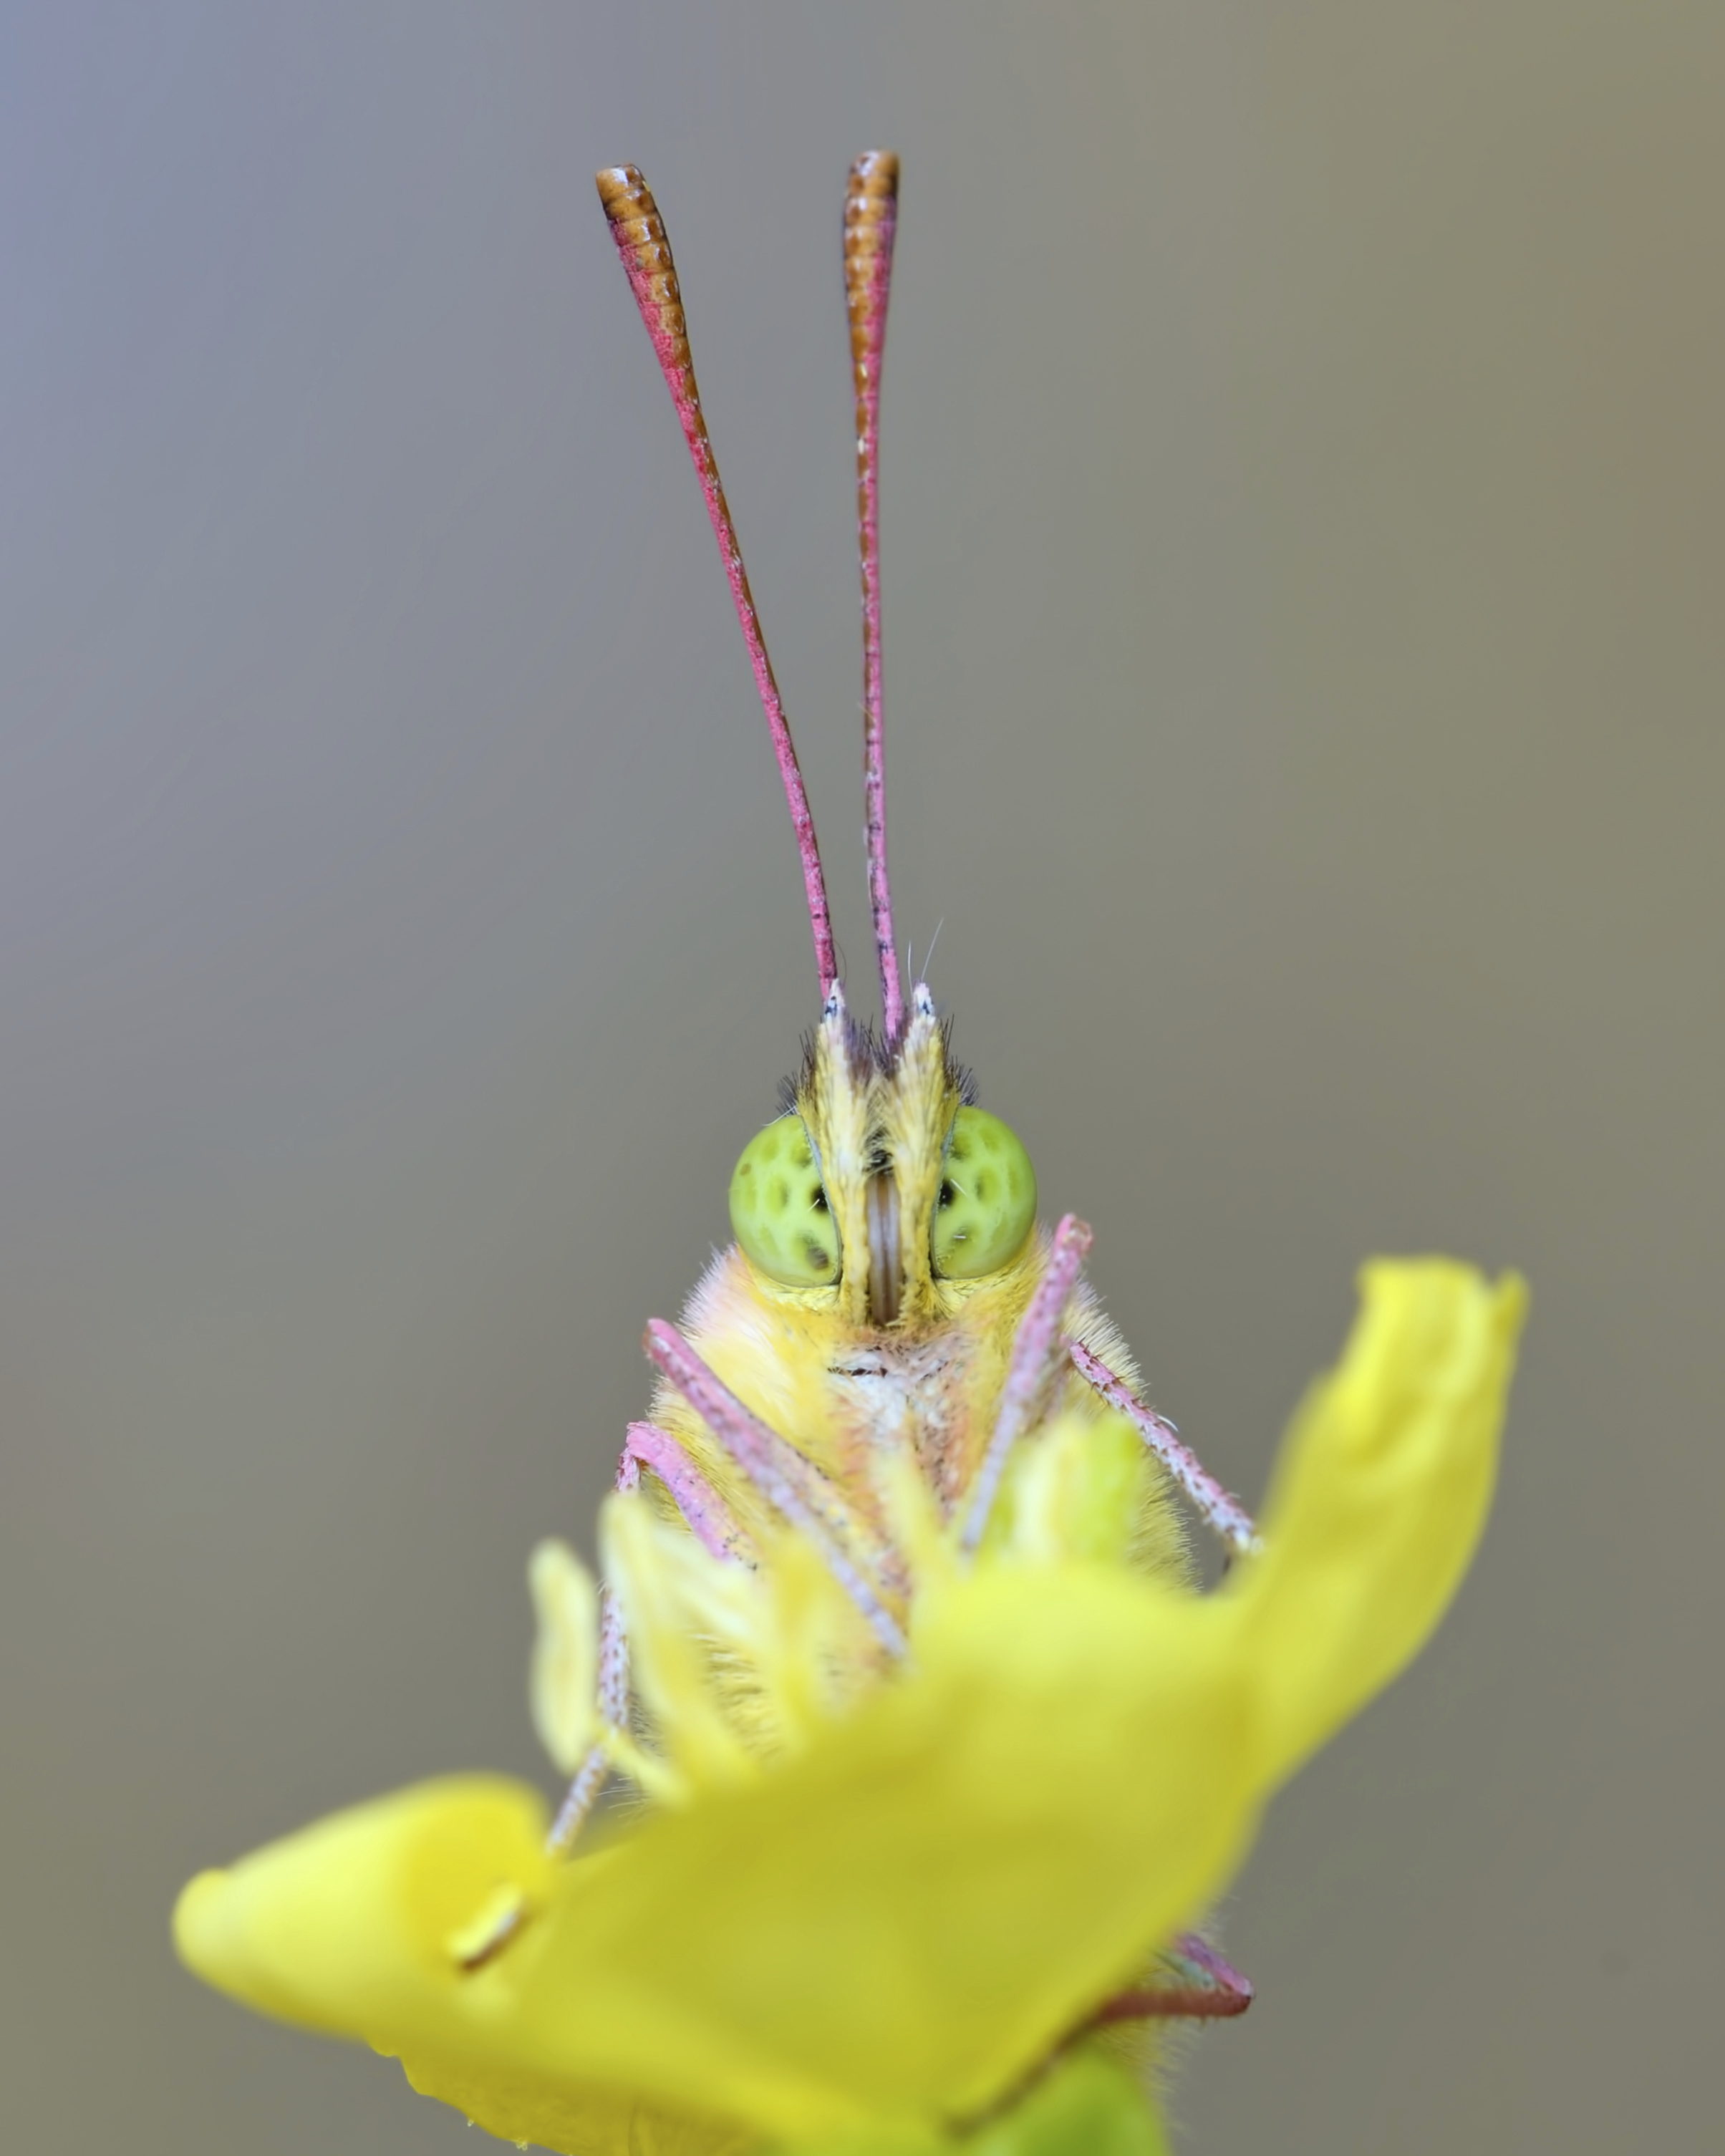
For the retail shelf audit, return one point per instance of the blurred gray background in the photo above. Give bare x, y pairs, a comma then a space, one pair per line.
1303, 516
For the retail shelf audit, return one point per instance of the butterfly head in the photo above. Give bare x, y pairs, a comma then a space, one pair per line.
883, 1191
882, 1195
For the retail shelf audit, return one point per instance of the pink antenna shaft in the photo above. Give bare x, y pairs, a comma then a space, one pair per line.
870, 223
639, 232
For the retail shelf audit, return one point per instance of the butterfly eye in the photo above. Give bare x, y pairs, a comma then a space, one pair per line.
988, 1198
778, 1209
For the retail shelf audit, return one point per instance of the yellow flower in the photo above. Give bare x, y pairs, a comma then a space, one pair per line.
884, 1920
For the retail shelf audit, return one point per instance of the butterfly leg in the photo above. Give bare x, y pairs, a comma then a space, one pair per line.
1200, 1986
794, 1487
704, 1511
1221, 1511
709, 1519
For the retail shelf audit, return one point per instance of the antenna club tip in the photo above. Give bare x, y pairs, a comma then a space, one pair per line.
623, 192
875, 173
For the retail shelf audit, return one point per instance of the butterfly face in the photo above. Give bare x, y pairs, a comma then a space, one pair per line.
883, 1191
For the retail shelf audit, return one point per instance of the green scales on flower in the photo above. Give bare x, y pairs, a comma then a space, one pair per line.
942, 1755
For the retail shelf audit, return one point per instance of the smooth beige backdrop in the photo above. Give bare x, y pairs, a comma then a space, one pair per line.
1303, 518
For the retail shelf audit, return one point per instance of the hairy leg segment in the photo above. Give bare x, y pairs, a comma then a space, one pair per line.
708, 1518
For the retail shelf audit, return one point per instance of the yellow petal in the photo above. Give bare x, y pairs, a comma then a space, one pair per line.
345, 1926
1076, 1492
1379, 1497
348, 1927
563, 1682
891, 1930
678, 1602
895, 1927
898, 1924
522, 2107
1086, 2104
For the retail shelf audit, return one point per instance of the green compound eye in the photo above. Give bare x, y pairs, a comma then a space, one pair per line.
778, 1210
988, 1198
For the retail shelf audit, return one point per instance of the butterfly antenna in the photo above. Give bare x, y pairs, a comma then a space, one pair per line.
639, 231
870, 222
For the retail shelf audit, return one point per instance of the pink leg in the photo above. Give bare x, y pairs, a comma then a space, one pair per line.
793, 1485
708, 1519
595, 1771
1206, 1987
764, 1454
1037, 1353
705, 1513
1224, 1513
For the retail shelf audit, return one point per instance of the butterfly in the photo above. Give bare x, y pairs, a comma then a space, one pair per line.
890, 1306
897, 1635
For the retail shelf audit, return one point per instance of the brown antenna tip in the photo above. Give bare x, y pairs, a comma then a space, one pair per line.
874, 173
870, 220
621, 188
645, 248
